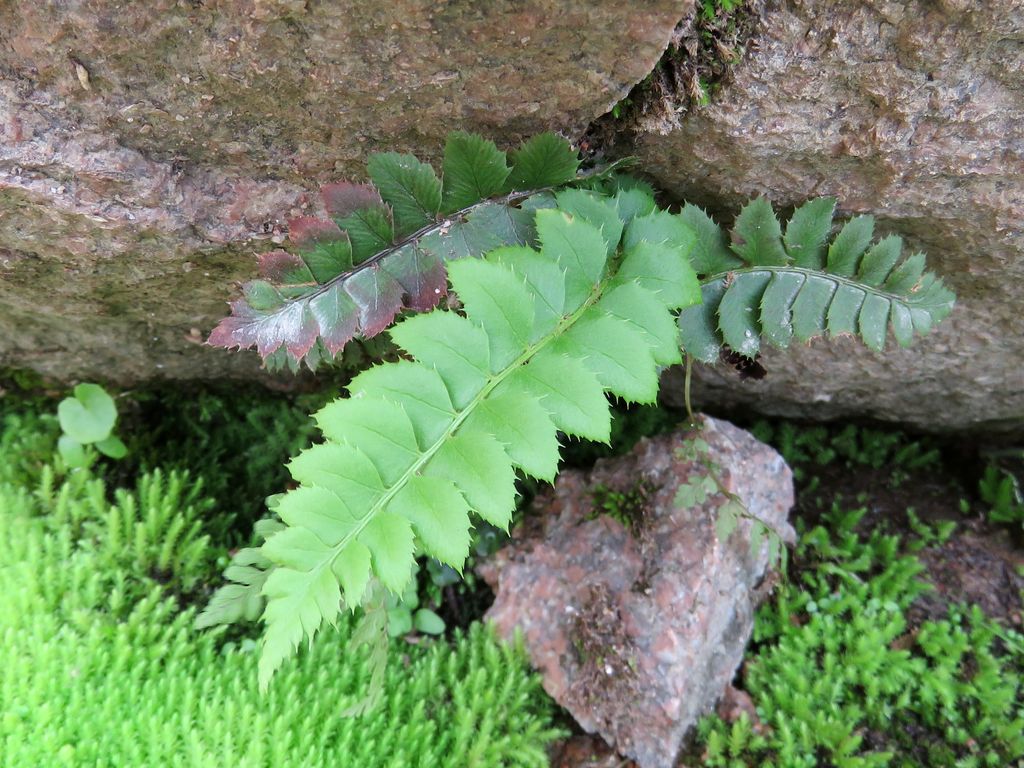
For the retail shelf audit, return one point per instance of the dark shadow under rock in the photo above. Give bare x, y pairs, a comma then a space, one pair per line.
638, 623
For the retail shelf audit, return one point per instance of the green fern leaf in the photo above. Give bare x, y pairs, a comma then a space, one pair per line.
474, 169
738, 318
477, 462
846, 250
422, 443
698, 325
808, 230
777, 307
757, 236
241, 599
370, 230
652, 268
811, 307
570, 393
409, 186
546, 160
591, 208
879, 261
711, 252
659, 228
633, 202
796, 287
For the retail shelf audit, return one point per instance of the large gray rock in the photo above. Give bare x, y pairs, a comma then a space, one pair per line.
148, 150
911, 111
637, 631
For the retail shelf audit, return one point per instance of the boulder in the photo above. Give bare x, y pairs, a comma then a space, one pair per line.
635, 606
912, 112
149, 150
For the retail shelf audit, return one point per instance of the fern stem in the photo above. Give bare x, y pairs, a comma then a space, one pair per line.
686, 387
417, 466
852, 282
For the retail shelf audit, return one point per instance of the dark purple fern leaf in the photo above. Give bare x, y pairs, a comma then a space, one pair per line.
292, 325
301, 299
345, 198
348, 277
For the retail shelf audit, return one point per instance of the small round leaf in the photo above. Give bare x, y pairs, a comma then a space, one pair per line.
89, 416
112, 447
428, 622
399, 622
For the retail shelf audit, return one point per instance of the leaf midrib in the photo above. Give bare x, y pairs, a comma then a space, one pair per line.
381, 504
411, 239
878, 290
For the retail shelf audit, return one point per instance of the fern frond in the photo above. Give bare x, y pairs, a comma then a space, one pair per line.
420, 444
386, 245
241, 599
795, 285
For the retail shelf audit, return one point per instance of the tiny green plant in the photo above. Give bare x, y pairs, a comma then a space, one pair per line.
405, 614
625, 507
807, 447
87, 418
542, 291
711, 8
1000, 491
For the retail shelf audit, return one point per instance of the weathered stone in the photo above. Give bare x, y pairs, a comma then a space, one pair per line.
913, 112
637, 632
147, 150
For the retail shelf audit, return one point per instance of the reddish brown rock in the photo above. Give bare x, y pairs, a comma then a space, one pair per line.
637, 630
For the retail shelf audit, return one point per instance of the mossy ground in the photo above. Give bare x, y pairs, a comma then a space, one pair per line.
102, 570
850, 630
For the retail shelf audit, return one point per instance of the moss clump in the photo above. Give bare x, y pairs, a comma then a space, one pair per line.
839, 677
237, 442
99, 666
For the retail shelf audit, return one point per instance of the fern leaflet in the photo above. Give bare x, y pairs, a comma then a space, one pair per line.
796, 285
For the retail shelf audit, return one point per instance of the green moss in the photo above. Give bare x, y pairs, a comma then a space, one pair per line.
28, 442
840, 678
807, 448
626, 507
98, 666
237, 442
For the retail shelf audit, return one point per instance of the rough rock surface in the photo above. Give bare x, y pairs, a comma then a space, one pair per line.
913, 112
148, 150
637, 631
